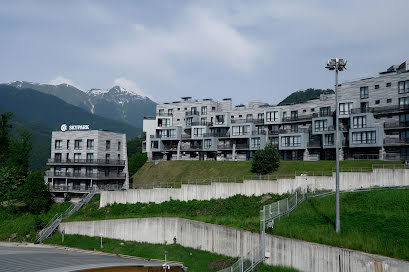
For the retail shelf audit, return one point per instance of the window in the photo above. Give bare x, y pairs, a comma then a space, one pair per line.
193, 110
155, 144
312, 110
389, 100
304, 110
58, 144
364, 91
376, 87
90, 157
118, 157
57, 157
364, 106
403, 86
388, 84
88, 171
90, 144
325, 111
249, 117
189, 121
329, 139
68, 144
272, 116
170, 112
294, 115
198, 132
177, 119
321, 125
203, 121
240, 116
213, 108
207, 143
178, 109
219, 119
364, 137
107, 144
377, 101
291, 141
119, 146
345, 108
77, 171
161, 111
255, 142
284, 115
107, 157
77, 157
240, 130
185, 109
78, 144
359, 121
260, 117
404, 102
204, 110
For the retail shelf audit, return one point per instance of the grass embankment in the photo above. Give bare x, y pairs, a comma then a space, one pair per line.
195, 260
375, 222
178, 171
24, 226
237, 211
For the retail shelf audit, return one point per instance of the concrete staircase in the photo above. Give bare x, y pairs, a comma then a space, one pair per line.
56, 220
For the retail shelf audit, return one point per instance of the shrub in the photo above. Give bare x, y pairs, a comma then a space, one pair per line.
135, 162
34, 193
266, 160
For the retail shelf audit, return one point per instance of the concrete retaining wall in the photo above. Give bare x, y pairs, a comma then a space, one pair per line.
301, 255
348, 181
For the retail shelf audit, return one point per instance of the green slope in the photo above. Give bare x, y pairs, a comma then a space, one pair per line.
303, 96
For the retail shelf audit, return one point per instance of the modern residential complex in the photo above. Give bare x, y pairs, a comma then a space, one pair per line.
373, 115
87, 160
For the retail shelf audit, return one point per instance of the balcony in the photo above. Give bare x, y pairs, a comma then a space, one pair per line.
396, 125
84, 188
273, 132
242, 121
258, 132
85, 162
170, 147
97, 176
186, 136
191, 147
207, 124
324, 114
225, 146
381, 110
296, 130
242, 146
314, 144
164, 114
395, 141
219, 135
304, 117
189, 113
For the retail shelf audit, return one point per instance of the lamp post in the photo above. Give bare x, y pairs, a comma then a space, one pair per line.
337, 65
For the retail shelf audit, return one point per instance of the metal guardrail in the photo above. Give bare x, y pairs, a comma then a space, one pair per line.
85, 175
86, 161
84, 189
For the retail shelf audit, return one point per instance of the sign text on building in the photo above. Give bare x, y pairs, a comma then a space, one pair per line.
74, 127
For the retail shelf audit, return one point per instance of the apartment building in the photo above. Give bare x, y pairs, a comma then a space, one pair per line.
85, 160
373, 115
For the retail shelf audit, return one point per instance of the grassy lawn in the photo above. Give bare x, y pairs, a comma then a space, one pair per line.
195, 260
12, 221
375, 222
238, 211
178, 171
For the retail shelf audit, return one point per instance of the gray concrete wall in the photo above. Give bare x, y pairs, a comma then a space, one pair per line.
348, 181
301, 255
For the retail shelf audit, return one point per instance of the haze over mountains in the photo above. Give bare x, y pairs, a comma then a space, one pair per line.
115, 103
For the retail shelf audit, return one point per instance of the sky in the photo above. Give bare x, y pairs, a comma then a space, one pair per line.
246, 50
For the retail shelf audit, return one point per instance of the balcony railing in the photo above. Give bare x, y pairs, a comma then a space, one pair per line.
191, 147
396, 124
322, 114
187, 113
396, 141
273, 132
258, 132
381, 110
172, 147
241, 121
225, 146
242, 146
186, 136
85, 175
86, 161
291, 144
84, 188
164, 114
294, 130
208, 124
303, 117
314, 144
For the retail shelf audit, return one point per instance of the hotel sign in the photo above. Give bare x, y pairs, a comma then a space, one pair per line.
64, 127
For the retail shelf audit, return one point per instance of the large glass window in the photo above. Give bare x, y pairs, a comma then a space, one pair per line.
107, 144
329, 139
325, 111
193, 110
240, 130
58, 144
291, 141
170, 112
403, 86
272, 116
255, 142
260, 117
249, 117
90, 143
198, 132
219, 119
345, 108
364, 137
77, 144
77, 157
403, 101
364, 92
167, 133
57, 157
90, 156
204, 110
321, 125
294, 115
359, 121
207, 143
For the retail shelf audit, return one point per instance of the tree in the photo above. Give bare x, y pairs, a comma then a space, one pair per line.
5, 127
135, 162
134, 145
266, 160
34, 193
19, 154
10, 180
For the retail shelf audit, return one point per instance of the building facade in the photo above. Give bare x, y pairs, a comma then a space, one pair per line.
373, 115
89, 160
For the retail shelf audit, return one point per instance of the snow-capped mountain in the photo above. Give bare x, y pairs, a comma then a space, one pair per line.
115, 103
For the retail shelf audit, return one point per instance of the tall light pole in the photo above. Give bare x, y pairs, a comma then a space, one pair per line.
337, 65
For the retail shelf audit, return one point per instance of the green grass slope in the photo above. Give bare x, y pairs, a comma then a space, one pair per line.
177, 171
375, 222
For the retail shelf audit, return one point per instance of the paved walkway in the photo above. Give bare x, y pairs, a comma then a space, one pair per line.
44, 258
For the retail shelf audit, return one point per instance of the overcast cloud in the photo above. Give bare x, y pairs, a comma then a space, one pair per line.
247, 50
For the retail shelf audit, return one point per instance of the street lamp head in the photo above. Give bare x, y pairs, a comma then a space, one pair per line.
339, 64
